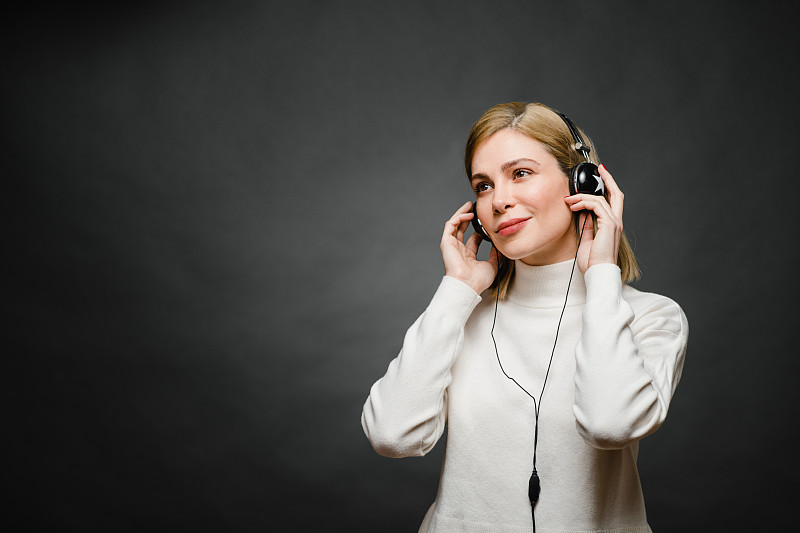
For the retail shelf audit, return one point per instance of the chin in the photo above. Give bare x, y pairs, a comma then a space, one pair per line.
539, 253
516, 252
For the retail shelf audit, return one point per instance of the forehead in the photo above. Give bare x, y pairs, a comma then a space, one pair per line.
509, 145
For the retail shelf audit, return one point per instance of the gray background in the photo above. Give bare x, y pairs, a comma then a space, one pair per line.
221, 219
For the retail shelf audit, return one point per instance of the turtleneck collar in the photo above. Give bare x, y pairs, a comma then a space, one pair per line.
546, 286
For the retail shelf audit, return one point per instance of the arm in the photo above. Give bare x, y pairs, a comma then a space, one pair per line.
627, 366
406, 410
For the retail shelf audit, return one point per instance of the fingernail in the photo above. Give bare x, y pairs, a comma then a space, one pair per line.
604, 166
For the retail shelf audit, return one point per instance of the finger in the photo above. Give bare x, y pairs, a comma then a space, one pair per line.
615, 196
585, 225
473, 243
462, 227
494, 258
604, 216
458, 219
598, 204
467, 207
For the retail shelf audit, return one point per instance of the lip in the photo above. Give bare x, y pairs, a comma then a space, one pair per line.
511, 226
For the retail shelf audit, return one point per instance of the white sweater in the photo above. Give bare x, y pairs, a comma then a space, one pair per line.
617, 362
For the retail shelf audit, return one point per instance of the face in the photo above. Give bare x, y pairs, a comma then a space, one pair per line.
520, 191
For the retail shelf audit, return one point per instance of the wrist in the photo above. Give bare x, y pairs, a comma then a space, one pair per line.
472, 284
593, 262
603, 282
454, 297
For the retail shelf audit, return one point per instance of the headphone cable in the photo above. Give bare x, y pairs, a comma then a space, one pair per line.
533, 483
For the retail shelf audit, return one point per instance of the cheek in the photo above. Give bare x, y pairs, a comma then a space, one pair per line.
484, 211
547, 201
555, 214
555, 198
559, 213
559, 188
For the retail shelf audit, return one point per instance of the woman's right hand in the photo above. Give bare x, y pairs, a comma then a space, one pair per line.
460, 259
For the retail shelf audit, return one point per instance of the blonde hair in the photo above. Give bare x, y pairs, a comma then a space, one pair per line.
542, 124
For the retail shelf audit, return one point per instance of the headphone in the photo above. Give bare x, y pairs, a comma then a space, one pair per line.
584, 178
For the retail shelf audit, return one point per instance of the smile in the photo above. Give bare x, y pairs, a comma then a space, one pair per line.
511, 226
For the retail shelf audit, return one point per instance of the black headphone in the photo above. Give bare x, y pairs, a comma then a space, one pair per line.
584, 178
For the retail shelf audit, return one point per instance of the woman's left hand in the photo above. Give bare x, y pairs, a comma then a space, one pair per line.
601, 247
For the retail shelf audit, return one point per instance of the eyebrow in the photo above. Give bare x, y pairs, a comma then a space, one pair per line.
515, 162
505, 166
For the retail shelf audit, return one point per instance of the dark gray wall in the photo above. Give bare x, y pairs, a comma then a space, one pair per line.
220, 220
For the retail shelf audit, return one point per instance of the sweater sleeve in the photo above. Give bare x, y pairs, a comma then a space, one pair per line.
406, 410
627, 364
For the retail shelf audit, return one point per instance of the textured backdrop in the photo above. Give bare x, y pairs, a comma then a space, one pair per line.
222, 217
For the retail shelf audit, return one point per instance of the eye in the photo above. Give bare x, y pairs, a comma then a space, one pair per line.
521, 173
482, 186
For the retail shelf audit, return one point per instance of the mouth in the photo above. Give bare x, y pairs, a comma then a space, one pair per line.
511, 226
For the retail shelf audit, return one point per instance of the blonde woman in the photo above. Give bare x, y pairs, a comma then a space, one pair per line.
545, 365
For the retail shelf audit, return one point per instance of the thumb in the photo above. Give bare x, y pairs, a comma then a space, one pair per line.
586, 225
494, 259
473, 243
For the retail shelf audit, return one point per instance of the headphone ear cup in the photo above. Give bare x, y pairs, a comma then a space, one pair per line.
572, 180
477, 226
584, 178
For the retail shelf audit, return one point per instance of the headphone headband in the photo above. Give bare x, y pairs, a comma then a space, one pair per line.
580, 145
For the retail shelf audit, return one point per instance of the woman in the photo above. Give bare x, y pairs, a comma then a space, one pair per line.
535, 367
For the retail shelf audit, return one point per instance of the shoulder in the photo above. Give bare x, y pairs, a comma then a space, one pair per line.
655, 312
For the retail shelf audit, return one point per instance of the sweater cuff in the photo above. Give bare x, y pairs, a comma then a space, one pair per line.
603, 282
455, 298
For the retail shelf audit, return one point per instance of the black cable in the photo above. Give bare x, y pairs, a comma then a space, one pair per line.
533, 484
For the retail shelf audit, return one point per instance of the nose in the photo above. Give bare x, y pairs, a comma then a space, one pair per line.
502, 198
